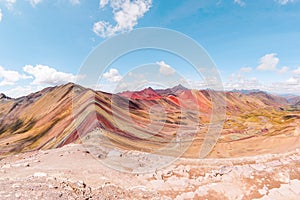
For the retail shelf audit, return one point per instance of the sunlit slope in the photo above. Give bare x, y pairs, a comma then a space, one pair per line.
145, 120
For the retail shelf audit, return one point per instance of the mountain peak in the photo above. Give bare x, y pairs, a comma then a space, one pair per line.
148, 89
3, 96
147, 93
178, 87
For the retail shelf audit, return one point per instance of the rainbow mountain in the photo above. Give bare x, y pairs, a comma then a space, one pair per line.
256, 122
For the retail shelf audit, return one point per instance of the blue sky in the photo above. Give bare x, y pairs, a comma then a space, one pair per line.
254, 44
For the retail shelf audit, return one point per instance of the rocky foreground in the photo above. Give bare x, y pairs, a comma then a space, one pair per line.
71, 172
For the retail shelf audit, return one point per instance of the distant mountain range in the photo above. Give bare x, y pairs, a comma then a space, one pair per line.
47, 119
246, 91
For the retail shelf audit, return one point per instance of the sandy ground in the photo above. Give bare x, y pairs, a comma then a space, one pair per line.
71, 172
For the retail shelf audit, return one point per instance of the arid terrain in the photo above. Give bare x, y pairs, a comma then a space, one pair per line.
71, 172
50, 140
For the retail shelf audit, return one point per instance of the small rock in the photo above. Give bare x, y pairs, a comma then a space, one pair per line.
16, 185
81, 184
258, 167
264, 190
207, 175
6, 166
225, 170
39, 174
283, 177
156, 184
18, 195
114, 153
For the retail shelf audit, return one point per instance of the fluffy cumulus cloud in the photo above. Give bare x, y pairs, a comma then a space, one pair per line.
112, 75
293, 80
126, 15
9, 77
20, 91
284, 2
103, 3
1, 15
165, 69
241, 82
291, 85
268, 62
40, 76
284, 69
297, 71
47, 75
240, 2
8, 3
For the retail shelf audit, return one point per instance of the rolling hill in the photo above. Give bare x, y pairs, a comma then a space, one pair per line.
146, 120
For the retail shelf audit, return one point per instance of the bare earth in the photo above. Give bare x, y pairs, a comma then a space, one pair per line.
71, 172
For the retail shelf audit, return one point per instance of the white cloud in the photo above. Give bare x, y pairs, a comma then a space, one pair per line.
283, 70
75, 2
10, 77
1, 15
103, 29
126, 15
283, 88
291, 85
240, 2
284, 2
165, 69
297, 71
239, 82
103, 3
268, 62
47, 75
293, 80
34, 2
246, 69
20, 91
194, 84
8, 3
112, 75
